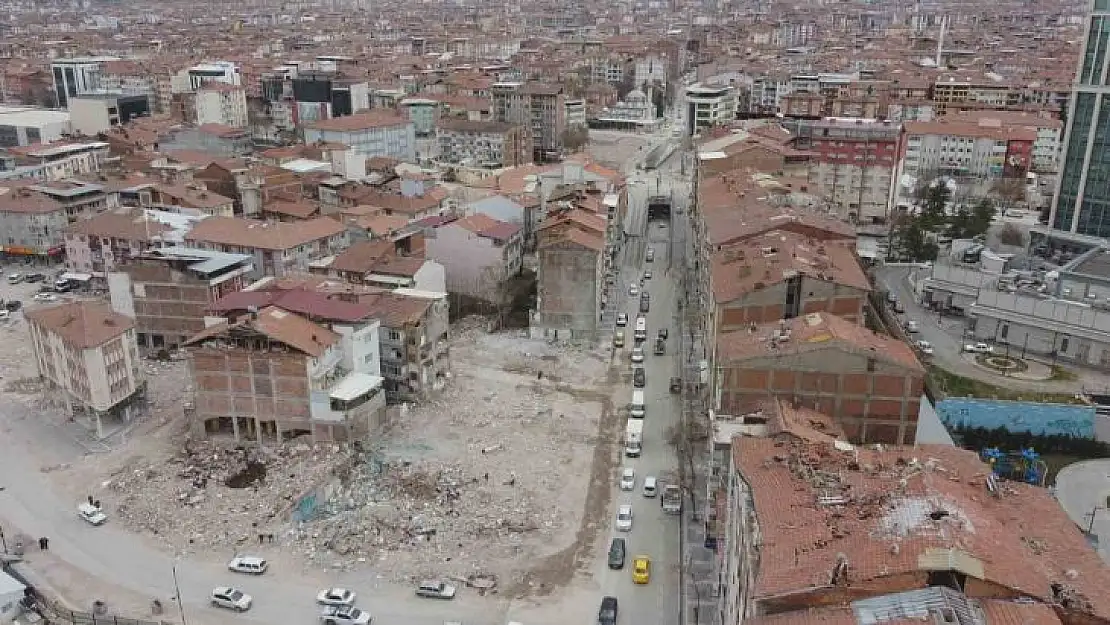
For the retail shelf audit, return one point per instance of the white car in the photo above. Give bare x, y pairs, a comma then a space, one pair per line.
622, 320
91, 514
248, 564
344, 615
637, 354
231, 598
911, 326
624, 518
45, 297
633, 290
435, 589
978, 348
925, 347
628, 479
336, 597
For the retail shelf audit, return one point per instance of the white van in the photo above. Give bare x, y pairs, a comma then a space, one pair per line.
641, 329
637, 409
650, 486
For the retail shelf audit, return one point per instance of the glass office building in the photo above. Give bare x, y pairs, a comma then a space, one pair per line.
1082, 202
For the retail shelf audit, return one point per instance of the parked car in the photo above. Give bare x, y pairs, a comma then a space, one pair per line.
616, 554
911, 326
633, 289
435, 589
639, 377
622, 320
231, 598
647, 275
628, 479
641, 570
925, 347
978, 348
624, 518
45, 297
34, 277
344, 615
92, 514
336, 596
13, 305
637, 354
248, 564
650, 255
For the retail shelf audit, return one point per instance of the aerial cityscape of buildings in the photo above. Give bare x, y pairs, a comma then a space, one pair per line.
709, 313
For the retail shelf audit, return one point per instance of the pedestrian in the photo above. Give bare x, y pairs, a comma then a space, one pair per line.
261, 537
90, 500
44, 543
271, 539
486, 476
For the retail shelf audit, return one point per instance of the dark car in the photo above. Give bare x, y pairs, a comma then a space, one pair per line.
607, 615
663, 333
616, 554
14, 305
639, 377
35, 277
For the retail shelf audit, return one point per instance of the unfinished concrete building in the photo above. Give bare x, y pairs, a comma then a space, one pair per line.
166, 291
572, 263
272, 375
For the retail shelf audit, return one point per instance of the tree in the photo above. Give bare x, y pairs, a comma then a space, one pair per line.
576, 138
981, 216
912, 242
934, 205
957, 226
1010, 235
1010, 190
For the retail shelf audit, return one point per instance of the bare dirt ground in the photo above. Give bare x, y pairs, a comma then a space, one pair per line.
505, 473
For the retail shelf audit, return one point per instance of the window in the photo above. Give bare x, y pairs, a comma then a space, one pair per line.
1005, 330
394, 335
871, 365
1064, 345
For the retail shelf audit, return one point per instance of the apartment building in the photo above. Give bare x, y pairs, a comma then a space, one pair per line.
870, 384
374, 133
32, 225
1045, 157
709, 105
220, 103
272, 374
168, 290
984, 151
277, 248
98, 244
77, 76
25, 125
539, 108
481, 252
378, 263
92, 114
89, 357
50, 163
572, 252
958, 92
852, 165
483, 143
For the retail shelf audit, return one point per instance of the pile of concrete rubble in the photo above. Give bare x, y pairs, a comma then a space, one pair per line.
217, 494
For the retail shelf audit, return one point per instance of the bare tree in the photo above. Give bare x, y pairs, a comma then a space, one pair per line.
576, 138
1010, 191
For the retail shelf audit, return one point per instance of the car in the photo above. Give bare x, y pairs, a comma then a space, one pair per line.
335, 596
92, 514
5, 315
35, 277
344, 615
231, 598
248, 564
641, 570
651, 486
616, 554
663, 333
650, 255
637, 354
45, 297
624, 518
639, 377
618, 339
607, 613
628, 479
435, 589
15, 278
622, 320
647, 275
925, 347
633, 289
911, 326
978, 348
13, 305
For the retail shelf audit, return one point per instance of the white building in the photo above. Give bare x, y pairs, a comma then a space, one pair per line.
480, 252
649, 70
373, 133
219, 103
636, 110
189, 80
77, 76
710, 105
89, 354
91, 114
57, 162
27, 125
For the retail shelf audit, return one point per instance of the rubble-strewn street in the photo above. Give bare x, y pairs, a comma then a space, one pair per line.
485, 479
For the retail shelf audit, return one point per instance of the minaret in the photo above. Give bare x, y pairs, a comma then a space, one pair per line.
940, 42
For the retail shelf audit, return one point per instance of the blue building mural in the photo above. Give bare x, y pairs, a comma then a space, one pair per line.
1019, 416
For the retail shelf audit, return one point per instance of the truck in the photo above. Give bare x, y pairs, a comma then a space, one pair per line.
634, 438
672, 499
637, 408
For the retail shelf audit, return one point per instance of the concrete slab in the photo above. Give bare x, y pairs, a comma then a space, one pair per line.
1083, 490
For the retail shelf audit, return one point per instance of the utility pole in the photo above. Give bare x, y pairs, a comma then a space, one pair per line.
177, 592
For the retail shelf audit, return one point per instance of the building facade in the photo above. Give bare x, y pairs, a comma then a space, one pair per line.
709, 105
483, 143
223, 104
374, 133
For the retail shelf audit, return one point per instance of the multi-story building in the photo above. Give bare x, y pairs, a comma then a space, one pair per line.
167, 291
1046, 147
970, 152
25, 125
53, 162
482, 252
223, 104
958, 92
539, 108
93, 113
573, 256
272, 373
88, 354
709, 105
32, 225
1081, 204
375, 133
96, 245
870, 384
483, 144
277, 247
853, 164
77, 76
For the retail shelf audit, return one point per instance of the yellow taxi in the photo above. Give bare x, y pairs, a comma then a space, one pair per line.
641, 570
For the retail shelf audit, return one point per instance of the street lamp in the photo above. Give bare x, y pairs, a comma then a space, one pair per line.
177, 593
1091, 515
